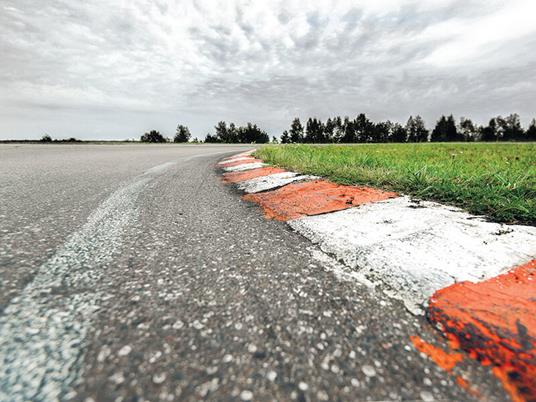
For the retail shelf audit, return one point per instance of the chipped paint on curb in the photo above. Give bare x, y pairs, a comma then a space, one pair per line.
418, 248
244, 166
422, 252
237, 177
495, 322
272, 181
312, 198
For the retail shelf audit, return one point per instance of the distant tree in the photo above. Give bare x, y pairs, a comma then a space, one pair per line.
274, 140
511, 128
530, 135
416, 129
445, 130
489, 132
252, 134
339, 129
221, 132
398, 133
46, 138
363, 129
381, 131
285, 138
153, 136
232, 134
314, 131
182, 134
348, 127
467, 130
296, 131
439, 134
329, 130
211, 139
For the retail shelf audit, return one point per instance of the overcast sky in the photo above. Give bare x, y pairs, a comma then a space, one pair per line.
114, 69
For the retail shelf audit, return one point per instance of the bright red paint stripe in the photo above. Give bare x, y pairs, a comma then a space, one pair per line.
312, 198
236, 177
495, 322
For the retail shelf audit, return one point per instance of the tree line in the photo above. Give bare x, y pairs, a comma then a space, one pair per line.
228, 134
363, 130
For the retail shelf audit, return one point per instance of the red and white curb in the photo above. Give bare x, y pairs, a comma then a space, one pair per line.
464, 272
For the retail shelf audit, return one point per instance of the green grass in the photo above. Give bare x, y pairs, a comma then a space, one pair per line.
496, 180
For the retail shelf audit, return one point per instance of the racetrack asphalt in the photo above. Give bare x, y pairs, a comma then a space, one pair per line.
131, 272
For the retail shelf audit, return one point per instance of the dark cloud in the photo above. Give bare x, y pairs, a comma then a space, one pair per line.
99, 70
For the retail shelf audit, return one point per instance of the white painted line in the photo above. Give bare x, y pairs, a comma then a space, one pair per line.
244, 167
272, 181
241, 158
43, 330
415, 249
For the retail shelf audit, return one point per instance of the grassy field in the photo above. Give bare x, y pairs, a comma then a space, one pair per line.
497, 180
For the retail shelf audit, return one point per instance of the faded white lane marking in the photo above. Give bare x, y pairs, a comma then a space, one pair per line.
272, 181
42, 331
244, 167
415, 249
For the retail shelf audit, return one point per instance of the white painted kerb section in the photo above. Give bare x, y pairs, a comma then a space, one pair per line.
244, 167
415, 249
272, 181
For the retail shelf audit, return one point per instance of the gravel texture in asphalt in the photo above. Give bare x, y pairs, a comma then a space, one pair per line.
131, 272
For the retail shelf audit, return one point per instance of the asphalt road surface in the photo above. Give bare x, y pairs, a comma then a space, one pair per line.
131, 273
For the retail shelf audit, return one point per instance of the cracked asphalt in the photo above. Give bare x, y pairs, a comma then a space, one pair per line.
132, 273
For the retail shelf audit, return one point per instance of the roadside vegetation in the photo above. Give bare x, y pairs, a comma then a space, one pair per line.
493, 179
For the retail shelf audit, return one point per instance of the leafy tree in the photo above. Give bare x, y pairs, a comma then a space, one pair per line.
182, 134
329, 130
274, 140
46, 138
339, 129
153, 136
530, 135
285, 138
348, 136
398, 133
445, 130
252, 134
381, 131
440, 131
511, 128
490, 132
314, 132
221, 132
363, 129
232, 134
467, 130
212, 138
296, 131
416, 129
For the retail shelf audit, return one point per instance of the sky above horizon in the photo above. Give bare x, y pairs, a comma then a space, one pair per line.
114, 69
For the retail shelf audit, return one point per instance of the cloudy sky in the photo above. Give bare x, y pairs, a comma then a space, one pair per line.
113, 69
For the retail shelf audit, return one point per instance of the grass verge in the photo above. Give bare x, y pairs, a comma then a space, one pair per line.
496, 180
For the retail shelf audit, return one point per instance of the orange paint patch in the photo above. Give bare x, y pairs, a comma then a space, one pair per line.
236, 177
443, 359
240, 162
313, 198
495, 322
